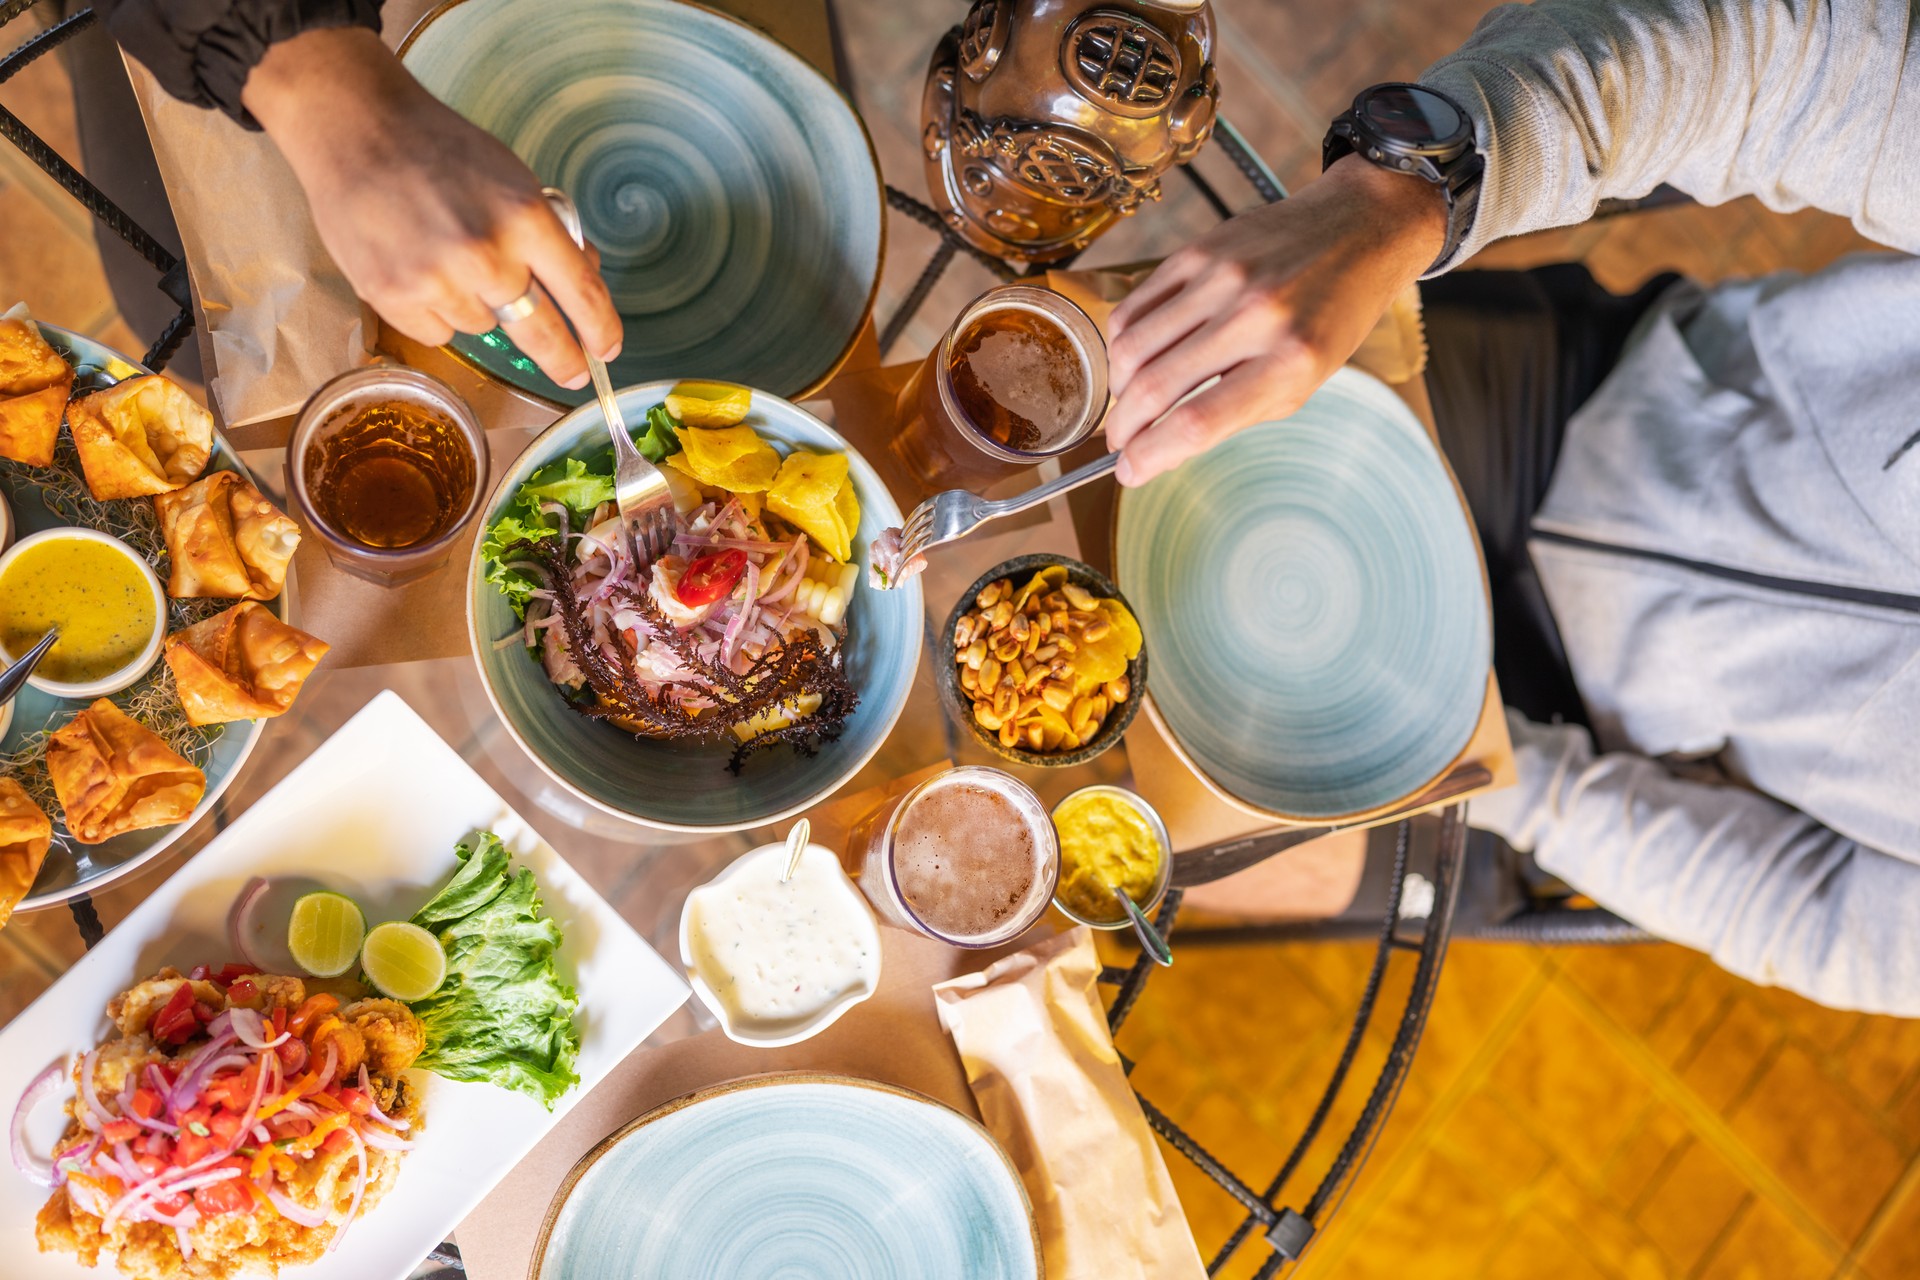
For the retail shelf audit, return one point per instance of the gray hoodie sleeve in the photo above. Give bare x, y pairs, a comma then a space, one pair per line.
1771, 894
1799, 103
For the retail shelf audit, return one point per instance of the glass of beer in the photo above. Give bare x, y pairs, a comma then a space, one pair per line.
969, 857
388, 466
1019, 378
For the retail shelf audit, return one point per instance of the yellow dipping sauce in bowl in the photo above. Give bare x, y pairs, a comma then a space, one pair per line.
1109, 837
99, 592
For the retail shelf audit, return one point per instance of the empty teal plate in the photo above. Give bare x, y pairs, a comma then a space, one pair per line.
686, 786
1313, 597
732, 191
789, 1177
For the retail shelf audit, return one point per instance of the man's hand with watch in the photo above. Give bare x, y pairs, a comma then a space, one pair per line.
1274, 300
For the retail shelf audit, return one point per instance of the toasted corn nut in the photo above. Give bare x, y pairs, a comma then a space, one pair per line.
1053, 602
1066, 643
1059, 619
1027, 707
1080, 713
1071, 742
1057, 695
992, 593
984, 716
1037, 737
1083, 617
1035, 674
1005, 702
1096, 632
963, 631
1043, 623
1006, 649
1045, 653
1078, 596
1060, 669
1118, 690
1020, 627
1009, 736
976, 654
1001, 615
990, 673
969, 679
1034, 638
1100, 706
1015, 673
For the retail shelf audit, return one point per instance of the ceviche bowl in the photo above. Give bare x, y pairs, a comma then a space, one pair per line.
682, 785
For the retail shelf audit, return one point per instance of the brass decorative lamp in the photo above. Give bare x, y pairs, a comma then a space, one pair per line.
1042, 121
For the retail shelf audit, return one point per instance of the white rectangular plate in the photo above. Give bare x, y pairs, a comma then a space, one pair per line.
374, 813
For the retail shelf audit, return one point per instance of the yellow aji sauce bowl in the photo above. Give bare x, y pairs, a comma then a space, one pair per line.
101, 593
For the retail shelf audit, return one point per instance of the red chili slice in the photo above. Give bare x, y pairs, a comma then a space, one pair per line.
710, 577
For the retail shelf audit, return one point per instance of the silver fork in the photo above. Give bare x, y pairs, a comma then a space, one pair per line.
639, 488
955, 513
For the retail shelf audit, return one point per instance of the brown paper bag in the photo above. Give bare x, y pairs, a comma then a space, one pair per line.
1033, 1038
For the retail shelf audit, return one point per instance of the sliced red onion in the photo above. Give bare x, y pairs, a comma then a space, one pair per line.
192, 1076
241, 916
260, 1133
95, 1114
385, 1141
131, 1172
185, 1242
221, 1021
37, 1171
359, 1190
326, 1072
158, 1187
252, 1029
293, 1211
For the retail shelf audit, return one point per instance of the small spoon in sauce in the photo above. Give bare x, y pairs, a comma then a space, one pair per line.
14, 678
1150, 940
796, 844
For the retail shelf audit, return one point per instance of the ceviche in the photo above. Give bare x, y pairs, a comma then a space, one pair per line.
737, 633
236, 1122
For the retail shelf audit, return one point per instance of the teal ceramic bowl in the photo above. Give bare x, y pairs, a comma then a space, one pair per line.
686, 786
731, 189
788, 1176
1314, 598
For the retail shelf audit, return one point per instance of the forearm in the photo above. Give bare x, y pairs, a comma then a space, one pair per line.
1771, 894
361, 83
1575, 101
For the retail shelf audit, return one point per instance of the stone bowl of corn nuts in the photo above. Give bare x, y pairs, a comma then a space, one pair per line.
1035, 674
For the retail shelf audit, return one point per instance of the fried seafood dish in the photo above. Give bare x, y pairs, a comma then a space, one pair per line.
235, 1123
143, 435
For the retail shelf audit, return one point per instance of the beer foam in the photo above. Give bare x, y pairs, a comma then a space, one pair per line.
965, 858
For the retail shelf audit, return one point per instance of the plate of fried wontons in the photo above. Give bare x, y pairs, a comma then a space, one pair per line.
90, 789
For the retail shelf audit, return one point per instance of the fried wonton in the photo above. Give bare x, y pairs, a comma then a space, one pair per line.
25, 833
225, 539
241, 664
34, 385
114, 775
140, 436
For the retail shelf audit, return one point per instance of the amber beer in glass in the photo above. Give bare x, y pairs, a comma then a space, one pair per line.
1019, 378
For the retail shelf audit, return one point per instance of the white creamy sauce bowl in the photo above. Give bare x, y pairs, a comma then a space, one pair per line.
778, 963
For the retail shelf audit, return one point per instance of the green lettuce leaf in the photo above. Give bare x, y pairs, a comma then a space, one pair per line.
575, 485
503, 1016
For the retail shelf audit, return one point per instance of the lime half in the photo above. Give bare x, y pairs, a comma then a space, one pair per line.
404, 961
324, 934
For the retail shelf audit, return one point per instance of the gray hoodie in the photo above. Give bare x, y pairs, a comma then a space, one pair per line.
1731, 543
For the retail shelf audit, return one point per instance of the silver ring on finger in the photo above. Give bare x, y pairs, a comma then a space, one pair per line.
520, 308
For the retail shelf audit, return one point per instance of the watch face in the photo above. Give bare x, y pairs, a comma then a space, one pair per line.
1411, 116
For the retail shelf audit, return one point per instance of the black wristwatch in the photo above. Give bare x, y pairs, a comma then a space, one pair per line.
1411, 129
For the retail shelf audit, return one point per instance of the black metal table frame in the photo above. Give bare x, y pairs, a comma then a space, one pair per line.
1287, 1232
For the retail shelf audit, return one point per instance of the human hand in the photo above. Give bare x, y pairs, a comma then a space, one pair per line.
1271, 302
433, 221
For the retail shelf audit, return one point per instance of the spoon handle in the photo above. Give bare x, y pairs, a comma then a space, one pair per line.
1150, 940
14, 678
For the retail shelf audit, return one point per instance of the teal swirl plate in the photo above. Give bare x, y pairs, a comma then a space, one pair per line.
782, 1177
1314, 599
731, 189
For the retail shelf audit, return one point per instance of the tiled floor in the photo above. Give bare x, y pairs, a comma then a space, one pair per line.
1576, 1113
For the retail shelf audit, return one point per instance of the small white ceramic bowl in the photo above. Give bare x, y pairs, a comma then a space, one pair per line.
787, 1031
6, 522
126, 675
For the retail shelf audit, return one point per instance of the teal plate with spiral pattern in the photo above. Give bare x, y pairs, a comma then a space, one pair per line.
1314, 599
731, 189
783, 1177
